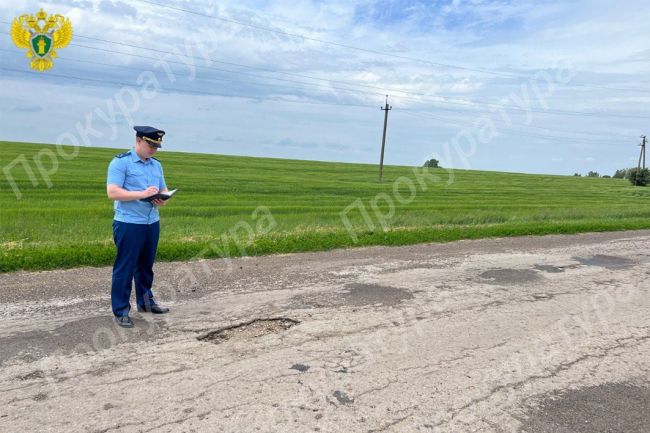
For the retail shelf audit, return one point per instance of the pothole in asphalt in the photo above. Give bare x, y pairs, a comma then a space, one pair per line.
549, 268
359, 295
343, 398
608, 262
300, 367
509, 276
611, 407
252, 329
40, 396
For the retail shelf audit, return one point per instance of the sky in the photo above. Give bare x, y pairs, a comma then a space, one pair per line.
551, 86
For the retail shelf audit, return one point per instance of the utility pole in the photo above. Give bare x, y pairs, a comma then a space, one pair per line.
641, 157
643, 149
385, 109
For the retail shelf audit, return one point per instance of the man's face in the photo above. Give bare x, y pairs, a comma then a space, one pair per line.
146, 148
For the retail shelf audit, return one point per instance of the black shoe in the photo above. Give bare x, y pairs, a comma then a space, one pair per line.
124, 321
155, 309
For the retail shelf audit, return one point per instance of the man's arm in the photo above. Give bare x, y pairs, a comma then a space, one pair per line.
116, 192
115, 181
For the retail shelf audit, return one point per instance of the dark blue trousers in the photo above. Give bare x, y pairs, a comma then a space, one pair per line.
136, 251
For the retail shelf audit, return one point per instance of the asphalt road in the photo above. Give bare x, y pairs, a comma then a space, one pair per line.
548, 334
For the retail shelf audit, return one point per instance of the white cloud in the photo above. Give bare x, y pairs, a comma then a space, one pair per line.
606, 43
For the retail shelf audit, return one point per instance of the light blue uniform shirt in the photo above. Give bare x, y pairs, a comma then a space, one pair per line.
128, 171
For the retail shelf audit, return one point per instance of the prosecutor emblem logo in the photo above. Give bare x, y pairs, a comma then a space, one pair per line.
41, 35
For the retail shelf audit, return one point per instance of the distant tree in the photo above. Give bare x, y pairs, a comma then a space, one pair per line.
606, 176
638, 177
621, 174
577, 174
432, 163
593, 174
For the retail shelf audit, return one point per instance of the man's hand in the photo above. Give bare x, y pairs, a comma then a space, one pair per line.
161, 202
149, 192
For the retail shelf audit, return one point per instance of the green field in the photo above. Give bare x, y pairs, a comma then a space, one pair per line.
68, 223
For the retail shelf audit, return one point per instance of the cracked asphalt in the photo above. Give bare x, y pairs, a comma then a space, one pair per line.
532, 334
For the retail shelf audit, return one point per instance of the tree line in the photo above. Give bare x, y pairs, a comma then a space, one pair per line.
636, 176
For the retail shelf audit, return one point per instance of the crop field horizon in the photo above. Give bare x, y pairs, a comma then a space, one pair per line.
56, 214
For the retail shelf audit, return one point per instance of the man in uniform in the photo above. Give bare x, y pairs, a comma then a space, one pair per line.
133, 176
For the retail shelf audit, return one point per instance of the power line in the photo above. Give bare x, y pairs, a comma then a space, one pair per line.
564, 131
533, 110
508, 130
185, 91
205, 93
421, 113
113, 65
382, 53
382, 89
319, 86
276, 71
354, 91
455, 101
211, 78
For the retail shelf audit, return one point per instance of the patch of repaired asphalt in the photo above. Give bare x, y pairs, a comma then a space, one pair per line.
360, 295
509, 276
248, 330
356, 295
611, 408
78, 336
549, 268
608, 262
